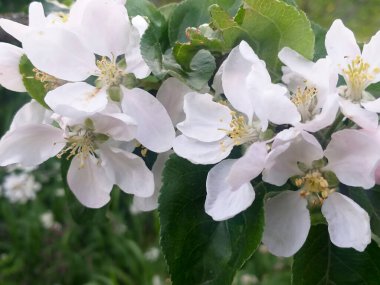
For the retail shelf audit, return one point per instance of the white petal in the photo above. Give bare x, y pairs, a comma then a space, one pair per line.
171, 95
235, 71
353, 156
59, 53
104, 27
370, 54
206, 120
341, 44
222, 201
16, 30
118, 126
10, 76
36, 15
89, 183
140, 24
128, 171
372, 106
202, 152
30, 145
362, 117
289, 148
348, 223
287, 223
248, 166
77, 100
31, 113
155, 129
151, 203
296, 62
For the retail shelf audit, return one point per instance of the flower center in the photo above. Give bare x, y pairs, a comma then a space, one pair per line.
49, 82
314, 186
110, 73
358, 74
306, 100
81, 144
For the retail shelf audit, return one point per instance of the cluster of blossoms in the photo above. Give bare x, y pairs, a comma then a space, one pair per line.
308, 135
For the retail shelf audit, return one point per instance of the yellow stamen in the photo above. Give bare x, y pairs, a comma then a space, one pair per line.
314, 185
305, 99
110, 73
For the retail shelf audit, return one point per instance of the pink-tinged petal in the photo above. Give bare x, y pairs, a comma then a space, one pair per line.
341, 44
325, 118
118, 126
171, 95
89, 182
202, 152
128, 171
60, 53
101, 36
348, 223
287, 223
37, 17
10, 76
77, 100
151, 203
288, 149
155, 129
362, 117
249, 166
236, 68
30, 145
372, 106
353, 156
16, 30
371, 55
206, 120
222, 201
31, 113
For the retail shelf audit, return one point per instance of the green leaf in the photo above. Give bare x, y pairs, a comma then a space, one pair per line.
320, 262
148, 10
79, 213
35, 88
320, 35
193, 13
167, 10
272, 25
369, 200
197, 249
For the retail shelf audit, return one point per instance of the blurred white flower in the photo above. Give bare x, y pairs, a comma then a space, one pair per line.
20, 188
48, 222
152, 254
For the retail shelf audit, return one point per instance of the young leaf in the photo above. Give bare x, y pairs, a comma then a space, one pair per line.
197, 249
273, 25
320, 262
35, 88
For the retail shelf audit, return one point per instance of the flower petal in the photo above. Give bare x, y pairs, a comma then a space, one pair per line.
370, 54
341, 44
37, 17
151, 203
222, 201
31, 113
202, 152
248, 166
128, 171
10, 76
171, 95
89, 183
155, 129
348, 223
236, 68
372, 106
288, 149
102, 37
16, 30
30, 145
353, 156
287, 223
59, 53
76, 100
206, 120
364, 118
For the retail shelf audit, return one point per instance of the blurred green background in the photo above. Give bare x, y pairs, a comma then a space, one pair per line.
41, 244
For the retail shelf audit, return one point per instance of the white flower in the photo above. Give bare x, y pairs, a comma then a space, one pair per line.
48, 222
313, 89
10, 76
287, 218
20, 188
97, 161
359, 69
354, 156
